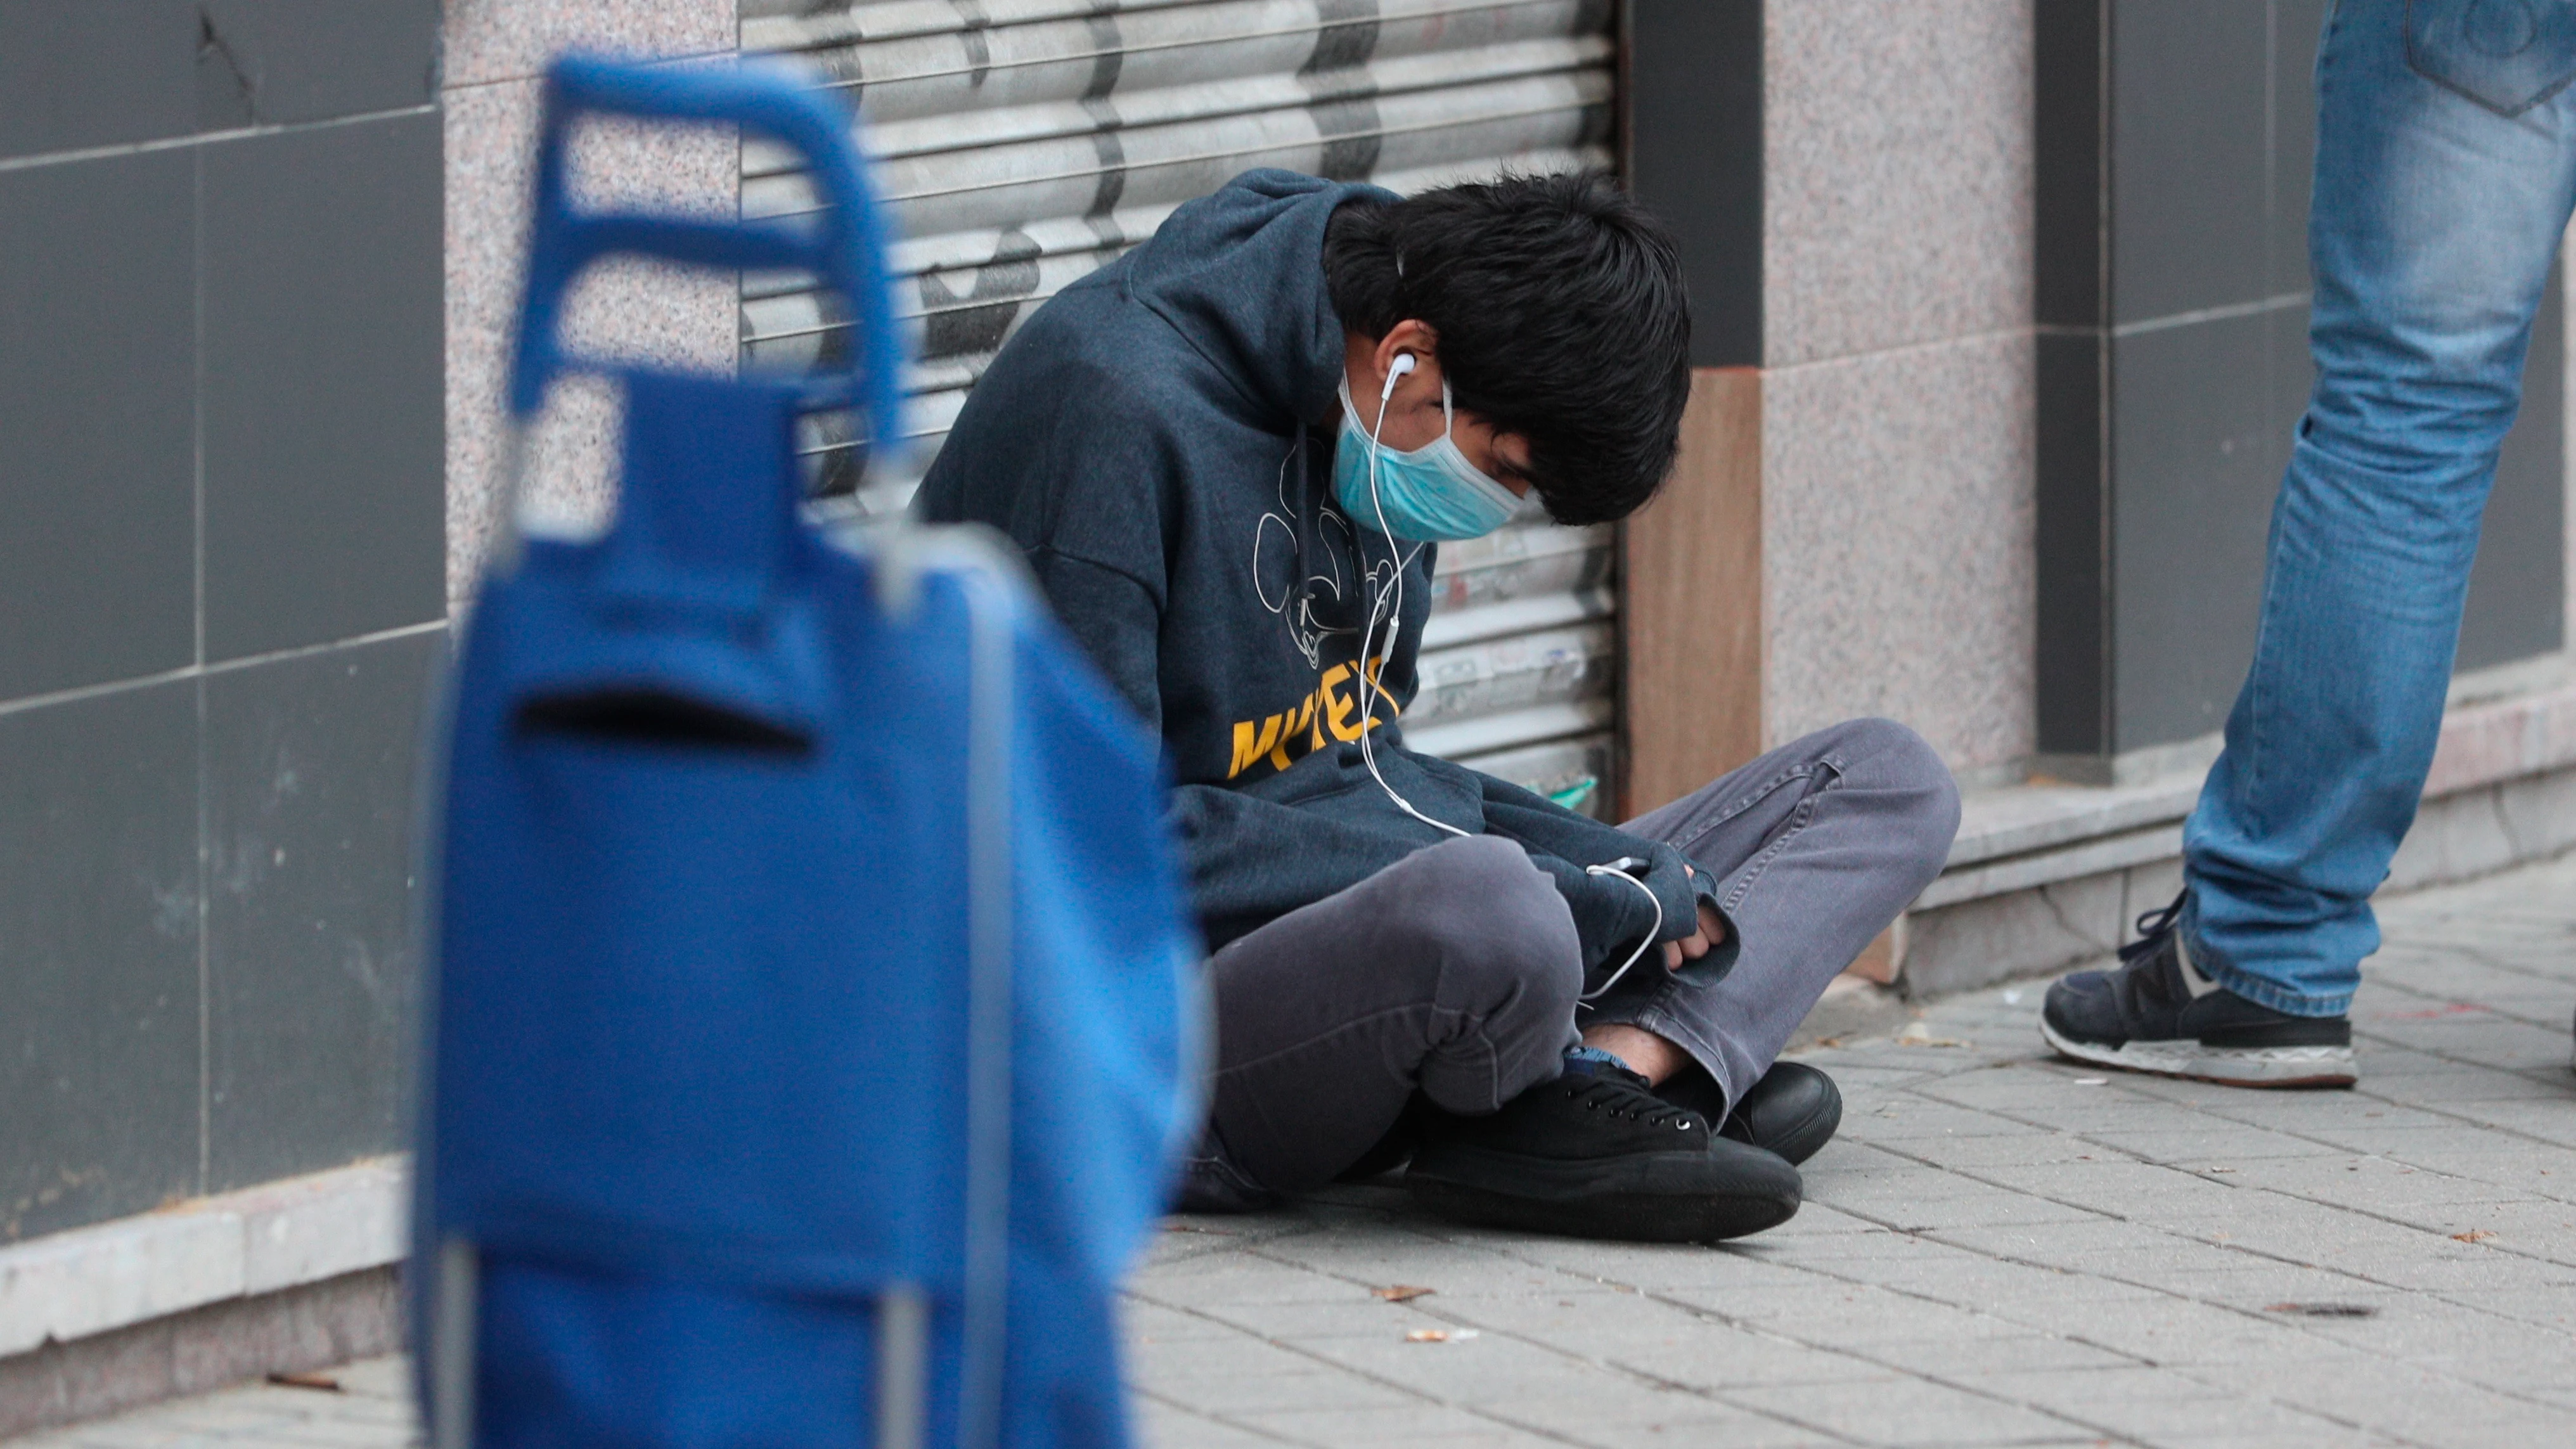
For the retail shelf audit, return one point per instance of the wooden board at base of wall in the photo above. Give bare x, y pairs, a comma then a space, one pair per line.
1692, 579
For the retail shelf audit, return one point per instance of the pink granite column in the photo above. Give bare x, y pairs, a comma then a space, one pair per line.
495, 52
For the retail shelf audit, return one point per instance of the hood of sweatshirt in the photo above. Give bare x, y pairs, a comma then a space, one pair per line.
1240, 276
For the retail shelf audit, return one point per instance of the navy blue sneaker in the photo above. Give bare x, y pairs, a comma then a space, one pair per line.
2157, 1013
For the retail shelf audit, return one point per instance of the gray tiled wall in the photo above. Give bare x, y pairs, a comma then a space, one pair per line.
1693, 133
2212, 117
2168, 397
2520, 572
222, 598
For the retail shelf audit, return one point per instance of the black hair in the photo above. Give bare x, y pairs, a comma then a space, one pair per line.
1561, 318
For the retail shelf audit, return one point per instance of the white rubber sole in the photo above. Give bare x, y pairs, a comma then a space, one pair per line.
2308, 1066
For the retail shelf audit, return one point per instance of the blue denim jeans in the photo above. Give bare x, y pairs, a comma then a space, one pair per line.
2445, 169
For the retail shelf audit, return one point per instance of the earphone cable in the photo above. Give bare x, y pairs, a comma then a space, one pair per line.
1370, 689
1652, 932
1369, 685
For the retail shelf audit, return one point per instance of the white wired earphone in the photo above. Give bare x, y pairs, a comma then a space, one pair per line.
1370, 689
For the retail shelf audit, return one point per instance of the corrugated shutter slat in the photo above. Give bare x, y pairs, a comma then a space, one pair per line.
1024, 144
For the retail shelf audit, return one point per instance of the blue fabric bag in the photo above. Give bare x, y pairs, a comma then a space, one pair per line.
813, 1022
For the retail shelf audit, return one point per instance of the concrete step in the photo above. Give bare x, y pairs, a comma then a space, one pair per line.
2046, 876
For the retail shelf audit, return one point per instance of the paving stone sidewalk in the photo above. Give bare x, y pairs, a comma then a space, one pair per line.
356, 1406
1999, 1249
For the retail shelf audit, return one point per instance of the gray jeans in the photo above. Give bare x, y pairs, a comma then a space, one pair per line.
1454, 972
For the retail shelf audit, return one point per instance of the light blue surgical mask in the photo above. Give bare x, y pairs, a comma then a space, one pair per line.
1431, 493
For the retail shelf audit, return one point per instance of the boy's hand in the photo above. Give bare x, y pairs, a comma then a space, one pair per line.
1695, 945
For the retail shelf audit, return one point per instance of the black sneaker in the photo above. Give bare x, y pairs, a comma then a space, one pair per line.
2158, 1014
1394, 1149
1792, 1111
1595, 1154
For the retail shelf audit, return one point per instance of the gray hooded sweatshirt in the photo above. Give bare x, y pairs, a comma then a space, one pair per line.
1158, 439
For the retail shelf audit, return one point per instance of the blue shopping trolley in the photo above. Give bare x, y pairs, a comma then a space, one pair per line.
811, 1024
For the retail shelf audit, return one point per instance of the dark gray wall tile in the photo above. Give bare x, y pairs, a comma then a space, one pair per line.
2068, 75
2295, 28
324, 509
2518, 590
2211, 120
2197, 454
2073, 493
2290, 376
1694, 144
2188, 175
310, 774
98, 957
82, 73
272, 61
97, 461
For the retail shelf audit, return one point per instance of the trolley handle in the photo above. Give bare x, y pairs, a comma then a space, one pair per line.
844, 243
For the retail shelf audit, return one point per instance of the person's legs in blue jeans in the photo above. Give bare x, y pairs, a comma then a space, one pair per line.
2434, 223
2445, 164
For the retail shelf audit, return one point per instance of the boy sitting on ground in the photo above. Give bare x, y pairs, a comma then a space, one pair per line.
1229, 457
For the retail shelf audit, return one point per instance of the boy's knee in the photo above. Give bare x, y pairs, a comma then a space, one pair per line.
1890, 759
1480, 921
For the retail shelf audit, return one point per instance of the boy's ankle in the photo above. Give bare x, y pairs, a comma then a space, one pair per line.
1639, 1050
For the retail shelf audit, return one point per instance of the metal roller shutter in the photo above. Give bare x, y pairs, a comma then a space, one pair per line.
1022, 144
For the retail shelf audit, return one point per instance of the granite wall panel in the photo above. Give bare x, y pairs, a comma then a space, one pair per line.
1897, 408
1897, 545
492, 40
1897, 165
495, 48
